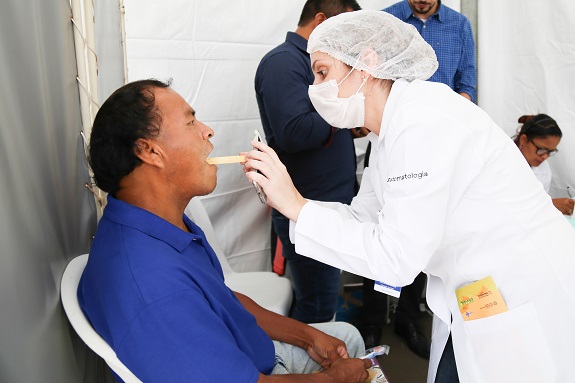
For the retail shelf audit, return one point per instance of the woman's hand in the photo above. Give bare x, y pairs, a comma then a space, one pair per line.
359, 132
564, 205
274, 179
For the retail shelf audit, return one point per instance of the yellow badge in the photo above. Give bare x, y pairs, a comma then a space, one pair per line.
480, 299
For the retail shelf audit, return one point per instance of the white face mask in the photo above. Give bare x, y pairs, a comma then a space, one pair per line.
346, 113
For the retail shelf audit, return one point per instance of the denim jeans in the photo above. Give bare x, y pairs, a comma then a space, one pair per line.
294, 360
447, 369
408, 304
315, 284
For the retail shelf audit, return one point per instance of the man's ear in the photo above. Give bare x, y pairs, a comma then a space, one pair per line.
319, 18
148, 151
369, 57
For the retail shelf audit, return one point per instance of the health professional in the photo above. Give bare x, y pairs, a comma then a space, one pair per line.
466, 218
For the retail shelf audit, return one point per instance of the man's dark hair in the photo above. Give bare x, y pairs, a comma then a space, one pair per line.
328, 7
127, 115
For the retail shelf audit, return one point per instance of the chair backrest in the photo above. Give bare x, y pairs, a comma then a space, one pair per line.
197, 213
68, 292
265, 287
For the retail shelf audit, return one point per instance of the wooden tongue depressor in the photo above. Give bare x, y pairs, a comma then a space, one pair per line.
226, 160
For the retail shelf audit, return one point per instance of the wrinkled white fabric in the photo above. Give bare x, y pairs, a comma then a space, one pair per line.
543, 174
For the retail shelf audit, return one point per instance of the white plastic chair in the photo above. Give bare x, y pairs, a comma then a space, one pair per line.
266, 288
68, 293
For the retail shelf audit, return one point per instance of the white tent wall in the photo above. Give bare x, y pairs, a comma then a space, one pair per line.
527, 66
211, 50
109, 47
47, 217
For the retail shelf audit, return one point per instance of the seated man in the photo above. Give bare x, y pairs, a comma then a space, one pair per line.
153, 287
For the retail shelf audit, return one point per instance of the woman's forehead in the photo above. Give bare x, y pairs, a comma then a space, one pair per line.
321, 58
549, 142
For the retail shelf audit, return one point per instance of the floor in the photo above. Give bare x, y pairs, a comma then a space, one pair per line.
400, 365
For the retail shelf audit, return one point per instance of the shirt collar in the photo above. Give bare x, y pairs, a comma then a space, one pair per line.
297, 40
397, 89
440, 12
137, 218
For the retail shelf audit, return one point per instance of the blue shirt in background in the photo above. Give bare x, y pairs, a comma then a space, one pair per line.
156, 294
449, 33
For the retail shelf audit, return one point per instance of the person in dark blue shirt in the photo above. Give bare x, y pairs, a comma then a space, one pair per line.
319, 158
153, 287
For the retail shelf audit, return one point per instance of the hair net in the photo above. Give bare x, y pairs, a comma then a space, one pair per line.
376, 42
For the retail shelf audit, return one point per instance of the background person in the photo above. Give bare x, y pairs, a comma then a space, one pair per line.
320, 159
153, 287
435, 198
450, 35
537, 139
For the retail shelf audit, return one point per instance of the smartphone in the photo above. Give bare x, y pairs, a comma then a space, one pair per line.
259, 191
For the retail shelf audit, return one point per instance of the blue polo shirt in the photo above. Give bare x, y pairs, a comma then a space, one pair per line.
156, 294
449, 33
320, 159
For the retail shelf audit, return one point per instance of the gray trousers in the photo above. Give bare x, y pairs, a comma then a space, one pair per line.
294, 360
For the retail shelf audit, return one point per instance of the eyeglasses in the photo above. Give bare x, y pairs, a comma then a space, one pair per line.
543, 151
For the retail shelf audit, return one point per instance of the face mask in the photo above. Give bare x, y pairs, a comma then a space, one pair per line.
346, 113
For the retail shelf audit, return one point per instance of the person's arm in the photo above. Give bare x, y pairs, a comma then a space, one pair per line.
282, 85
342, 371
409, 225
181, 338
564, 205
329, 352
359, 132
465, 80
322, 348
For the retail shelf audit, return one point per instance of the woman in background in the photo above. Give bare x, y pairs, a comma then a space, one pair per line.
537, 139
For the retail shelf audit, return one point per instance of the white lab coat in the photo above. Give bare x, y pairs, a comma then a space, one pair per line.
544, 174
447, 192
